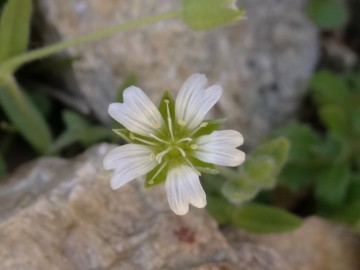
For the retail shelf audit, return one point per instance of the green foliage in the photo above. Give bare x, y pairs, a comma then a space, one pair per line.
328, 163
14, 28
207, 14
259, 171
328, 14
24, 115
264, 219
14, 38
2, 166
78, 129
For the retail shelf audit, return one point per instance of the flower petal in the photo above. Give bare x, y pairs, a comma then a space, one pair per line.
219, 148
194, 102
129, 162
138, 114
183, 187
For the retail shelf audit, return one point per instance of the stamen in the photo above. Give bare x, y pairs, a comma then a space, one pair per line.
169, 119
194, 146
157, 138
185, 140
157, 173
159, 156
156, 125
134, 138
181, 151
202, 125
181, 122
152, 157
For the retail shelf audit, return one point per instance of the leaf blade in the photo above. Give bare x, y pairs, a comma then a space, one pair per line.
265, 219
15, 28
25, 116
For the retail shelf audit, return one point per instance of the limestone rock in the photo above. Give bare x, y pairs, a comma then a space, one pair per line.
318, 245
62, 214
263, 63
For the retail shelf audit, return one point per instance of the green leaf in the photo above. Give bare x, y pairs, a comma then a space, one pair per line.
349, 213
2, 166
92, 134
207, 14
219, 208
73, 121
264, 219
14, 28
78, 129
259, 168
41, 101
332, 149
65, 139
24, 115
328, 14
296, 177
277, 150
329, 87
240, 190
335, 119
332, 185
302, 141
355, 120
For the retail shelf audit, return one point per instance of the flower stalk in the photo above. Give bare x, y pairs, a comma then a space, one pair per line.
14, 63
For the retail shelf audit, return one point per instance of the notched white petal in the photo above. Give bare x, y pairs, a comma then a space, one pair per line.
222, 137
188, 90
223, 157
219, 148
183, 187
138, 114
194, 101
138, 101
129, 162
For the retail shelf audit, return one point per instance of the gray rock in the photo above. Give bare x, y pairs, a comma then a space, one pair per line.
317, 245
62, 214
263, 63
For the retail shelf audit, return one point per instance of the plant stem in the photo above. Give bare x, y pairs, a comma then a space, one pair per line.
11, 65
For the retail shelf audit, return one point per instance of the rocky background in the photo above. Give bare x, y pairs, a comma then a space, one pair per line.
262, 63
61, 214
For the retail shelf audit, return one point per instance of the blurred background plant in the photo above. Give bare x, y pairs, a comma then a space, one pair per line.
311, 166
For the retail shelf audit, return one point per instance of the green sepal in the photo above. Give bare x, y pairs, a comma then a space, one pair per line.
163, 109
124, 134
159, 179
212, 125
202, 166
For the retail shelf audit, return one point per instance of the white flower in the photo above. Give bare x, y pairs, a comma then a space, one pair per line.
172, 144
